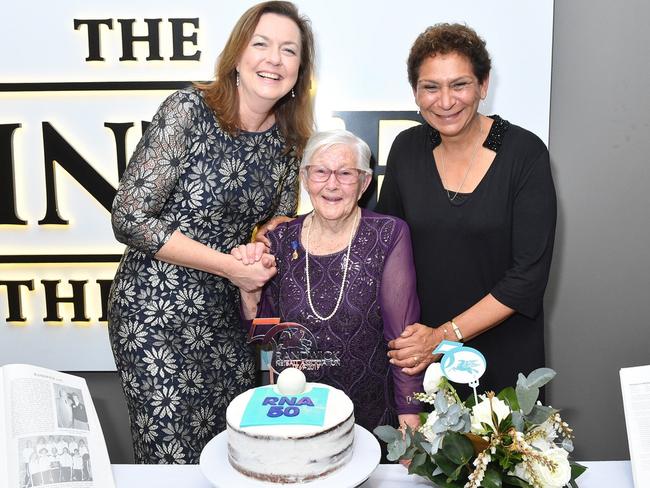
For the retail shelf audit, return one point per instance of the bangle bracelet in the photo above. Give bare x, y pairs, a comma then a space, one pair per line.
457, 331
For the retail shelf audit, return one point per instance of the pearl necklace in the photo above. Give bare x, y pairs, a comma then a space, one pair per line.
345, 269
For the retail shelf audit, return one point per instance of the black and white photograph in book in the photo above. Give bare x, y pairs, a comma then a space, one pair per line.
70, 408
48, 460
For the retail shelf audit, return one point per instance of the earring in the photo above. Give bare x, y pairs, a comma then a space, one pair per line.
293, 93
237, 80
418, 111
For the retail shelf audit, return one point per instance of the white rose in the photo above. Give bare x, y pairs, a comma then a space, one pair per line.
432, 378
427, 430
548, 478
548, 431
482, 413
561, 475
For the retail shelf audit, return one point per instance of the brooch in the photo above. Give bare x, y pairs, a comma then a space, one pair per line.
294, 254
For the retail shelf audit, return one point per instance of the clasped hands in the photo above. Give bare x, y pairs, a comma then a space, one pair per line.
413, 349
257, 265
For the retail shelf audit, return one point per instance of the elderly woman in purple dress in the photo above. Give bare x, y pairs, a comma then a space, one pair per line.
347, 275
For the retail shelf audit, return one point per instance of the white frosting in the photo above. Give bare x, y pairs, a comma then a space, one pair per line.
292, 381
292, 453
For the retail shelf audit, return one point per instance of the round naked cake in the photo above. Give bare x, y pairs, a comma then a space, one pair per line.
290, 437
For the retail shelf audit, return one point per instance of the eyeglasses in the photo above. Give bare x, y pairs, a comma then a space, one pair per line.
345, 176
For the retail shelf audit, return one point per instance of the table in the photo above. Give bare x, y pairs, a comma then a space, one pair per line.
601, 474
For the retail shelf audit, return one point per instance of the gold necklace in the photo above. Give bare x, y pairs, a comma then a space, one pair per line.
469, 166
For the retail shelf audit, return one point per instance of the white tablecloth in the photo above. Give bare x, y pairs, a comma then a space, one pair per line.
601, 474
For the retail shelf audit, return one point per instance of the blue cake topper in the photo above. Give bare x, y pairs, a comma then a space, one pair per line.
461, 364
268, 406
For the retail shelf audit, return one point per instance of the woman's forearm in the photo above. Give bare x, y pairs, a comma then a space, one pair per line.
249, 303
480, 317
183, 251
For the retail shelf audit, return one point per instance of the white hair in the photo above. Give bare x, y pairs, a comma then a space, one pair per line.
321, 141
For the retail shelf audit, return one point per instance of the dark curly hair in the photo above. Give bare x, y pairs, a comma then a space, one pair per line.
445, 39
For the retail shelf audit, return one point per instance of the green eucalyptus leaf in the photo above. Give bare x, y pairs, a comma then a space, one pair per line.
540, 377
458, 448
425, 469
577, 470
440, 404
425, 446
387, 433
509, 396
396, 450
539, 414
423, 417
407, 437
518, 421
526, 397
458, 471
515, 481
443, 462
492, 478
417, 461
521, 380
410, 452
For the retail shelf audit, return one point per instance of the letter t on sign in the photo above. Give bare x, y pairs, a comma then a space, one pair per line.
94, 44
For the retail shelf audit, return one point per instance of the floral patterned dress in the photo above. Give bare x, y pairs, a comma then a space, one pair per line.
175, 332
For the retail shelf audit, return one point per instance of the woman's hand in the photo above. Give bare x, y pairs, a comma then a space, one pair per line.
251, 277
411, 420
260, 235
412, 351
252, 253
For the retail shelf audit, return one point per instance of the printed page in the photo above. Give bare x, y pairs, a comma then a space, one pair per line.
54, 436
3, 431
635, 385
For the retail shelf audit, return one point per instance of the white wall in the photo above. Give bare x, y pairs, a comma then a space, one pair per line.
362, 48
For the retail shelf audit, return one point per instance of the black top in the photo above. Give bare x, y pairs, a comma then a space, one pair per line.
497, 239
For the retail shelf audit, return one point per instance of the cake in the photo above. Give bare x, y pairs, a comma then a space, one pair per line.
290, 437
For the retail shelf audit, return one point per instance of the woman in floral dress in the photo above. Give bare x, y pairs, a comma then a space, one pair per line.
217, 160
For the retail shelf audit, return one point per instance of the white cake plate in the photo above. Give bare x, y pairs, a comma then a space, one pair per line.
365, 458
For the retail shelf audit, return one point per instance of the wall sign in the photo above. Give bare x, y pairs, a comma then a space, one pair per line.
76, 96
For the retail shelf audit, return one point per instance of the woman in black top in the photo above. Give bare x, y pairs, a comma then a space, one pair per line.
478, 195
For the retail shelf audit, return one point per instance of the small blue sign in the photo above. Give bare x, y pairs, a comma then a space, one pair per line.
459, 363
445, 346
267, 406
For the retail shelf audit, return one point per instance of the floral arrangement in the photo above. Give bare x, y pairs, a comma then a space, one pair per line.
504, 440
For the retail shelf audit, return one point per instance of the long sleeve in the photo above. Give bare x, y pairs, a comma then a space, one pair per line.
533, 233
150, 177
288, 204
400, 307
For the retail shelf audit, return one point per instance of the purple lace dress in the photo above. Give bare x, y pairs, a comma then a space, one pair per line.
379, 300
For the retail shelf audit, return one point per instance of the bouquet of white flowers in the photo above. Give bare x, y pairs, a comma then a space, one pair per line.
504, 440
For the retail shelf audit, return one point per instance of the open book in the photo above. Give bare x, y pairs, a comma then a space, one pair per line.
49, 431
635, 386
